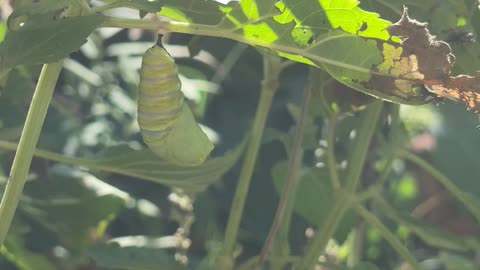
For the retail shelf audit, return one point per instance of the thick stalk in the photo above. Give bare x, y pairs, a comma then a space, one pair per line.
269, 87
356, 162
28, 141
290, 184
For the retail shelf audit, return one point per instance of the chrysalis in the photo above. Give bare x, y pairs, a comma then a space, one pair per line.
166, 122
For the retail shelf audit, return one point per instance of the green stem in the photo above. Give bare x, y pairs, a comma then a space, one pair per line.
290, 184
394, 145
357, 245
387, 234
463, 197
28, 140
356, 162
330, 155
269, 88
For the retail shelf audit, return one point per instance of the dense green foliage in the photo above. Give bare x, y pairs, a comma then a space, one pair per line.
328, 148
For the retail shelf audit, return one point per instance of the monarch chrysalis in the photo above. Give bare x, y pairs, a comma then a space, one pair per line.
166, 122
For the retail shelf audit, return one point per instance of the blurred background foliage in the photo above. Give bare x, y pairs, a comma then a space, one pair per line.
66, 210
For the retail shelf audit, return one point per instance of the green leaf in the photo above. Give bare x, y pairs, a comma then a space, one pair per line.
337, 36
344, 15
132, 258
144, 164
43, 40
315, 195
284, 23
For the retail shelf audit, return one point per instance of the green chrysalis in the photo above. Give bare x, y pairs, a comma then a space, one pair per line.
166, 122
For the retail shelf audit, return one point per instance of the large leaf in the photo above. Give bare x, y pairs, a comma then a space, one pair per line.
357, 48
143, 164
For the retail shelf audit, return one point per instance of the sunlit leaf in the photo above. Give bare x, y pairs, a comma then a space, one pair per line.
337, 36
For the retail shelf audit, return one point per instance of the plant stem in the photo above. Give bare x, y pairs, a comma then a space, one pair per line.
290, 184
28, 141
356, 163
356, 160
387, 234
468, 201
330, 155
394, 145
357, 245
272, 70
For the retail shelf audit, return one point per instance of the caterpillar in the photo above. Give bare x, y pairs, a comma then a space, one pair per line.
166, 122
